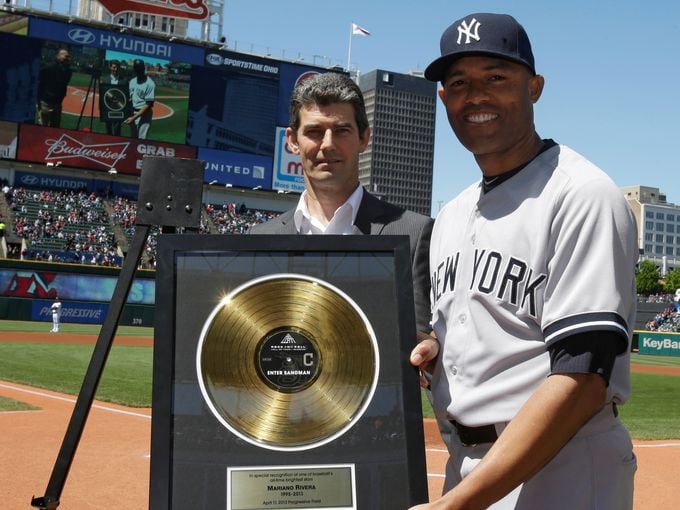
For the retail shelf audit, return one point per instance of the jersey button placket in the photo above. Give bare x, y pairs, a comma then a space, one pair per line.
462, 318
474, 218
460, 303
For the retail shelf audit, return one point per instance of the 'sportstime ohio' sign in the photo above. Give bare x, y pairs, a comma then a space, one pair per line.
187, 9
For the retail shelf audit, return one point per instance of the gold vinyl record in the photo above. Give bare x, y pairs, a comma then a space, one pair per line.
287, 362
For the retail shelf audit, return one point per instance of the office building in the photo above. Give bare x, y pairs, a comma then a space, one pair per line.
658, 226
397, 165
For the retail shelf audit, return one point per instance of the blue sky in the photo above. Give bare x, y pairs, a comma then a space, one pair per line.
612, 70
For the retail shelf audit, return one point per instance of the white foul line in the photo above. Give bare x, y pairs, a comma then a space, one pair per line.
73, 401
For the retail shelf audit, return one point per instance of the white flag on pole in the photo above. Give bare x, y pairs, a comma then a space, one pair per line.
357, 30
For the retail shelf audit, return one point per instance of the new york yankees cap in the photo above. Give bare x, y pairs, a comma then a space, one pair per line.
482, 34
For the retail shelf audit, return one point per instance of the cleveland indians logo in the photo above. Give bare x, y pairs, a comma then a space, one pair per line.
188, 9
30, 284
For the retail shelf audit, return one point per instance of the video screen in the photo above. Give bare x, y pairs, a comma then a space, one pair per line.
103, 91
13, 23
233, 110
19, 77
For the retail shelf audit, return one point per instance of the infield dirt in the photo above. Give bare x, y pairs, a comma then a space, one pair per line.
111, 465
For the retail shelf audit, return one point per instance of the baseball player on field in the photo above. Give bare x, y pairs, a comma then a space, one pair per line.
56, 314
533, 296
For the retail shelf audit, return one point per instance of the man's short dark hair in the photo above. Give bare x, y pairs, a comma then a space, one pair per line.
325, 89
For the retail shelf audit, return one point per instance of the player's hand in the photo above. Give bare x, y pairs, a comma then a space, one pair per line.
424, 355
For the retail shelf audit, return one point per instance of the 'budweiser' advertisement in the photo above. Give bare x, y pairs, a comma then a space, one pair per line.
57, 147
187, 9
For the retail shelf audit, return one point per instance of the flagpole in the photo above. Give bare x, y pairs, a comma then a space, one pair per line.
349, 51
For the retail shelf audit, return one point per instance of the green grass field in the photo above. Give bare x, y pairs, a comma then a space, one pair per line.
653, 412
78, 329
9, 405
126, 378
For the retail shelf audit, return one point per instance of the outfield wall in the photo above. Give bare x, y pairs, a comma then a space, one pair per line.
28, 288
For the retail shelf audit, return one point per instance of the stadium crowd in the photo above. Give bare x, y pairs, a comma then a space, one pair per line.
62, 226
667, 320
73, 226
233, 218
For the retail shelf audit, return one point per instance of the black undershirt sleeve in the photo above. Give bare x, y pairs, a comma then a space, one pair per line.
593, 352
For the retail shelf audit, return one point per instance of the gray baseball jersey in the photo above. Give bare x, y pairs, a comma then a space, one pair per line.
521, 267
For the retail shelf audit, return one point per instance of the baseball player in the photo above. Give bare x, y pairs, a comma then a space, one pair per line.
56, 315
142, 96
533, 296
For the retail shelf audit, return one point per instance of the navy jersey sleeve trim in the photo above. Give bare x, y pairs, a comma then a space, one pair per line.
584, 323
593, 352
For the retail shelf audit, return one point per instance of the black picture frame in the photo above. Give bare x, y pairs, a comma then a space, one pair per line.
191, 450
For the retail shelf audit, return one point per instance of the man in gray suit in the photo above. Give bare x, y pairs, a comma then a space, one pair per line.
329, 129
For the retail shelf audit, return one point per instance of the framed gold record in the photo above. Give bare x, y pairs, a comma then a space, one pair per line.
287, 362
114, 102
281, 374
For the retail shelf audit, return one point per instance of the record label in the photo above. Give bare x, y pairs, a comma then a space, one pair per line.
288, 360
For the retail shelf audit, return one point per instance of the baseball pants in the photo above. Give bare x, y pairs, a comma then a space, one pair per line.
593, 471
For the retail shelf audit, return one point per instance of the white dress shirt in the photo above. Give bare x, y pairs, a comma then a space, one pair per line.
342, 221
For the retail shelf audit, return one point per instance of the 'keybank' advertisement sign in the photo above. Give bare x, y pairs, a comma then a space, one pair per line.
76, 34
236, 168
660, 344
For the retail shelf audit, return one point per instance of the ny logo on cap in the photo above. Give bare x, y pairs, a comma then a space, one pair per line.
465, 29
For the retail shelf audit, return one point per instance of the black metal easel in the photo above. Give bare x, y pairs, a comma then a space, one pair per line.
170, 197
92, 88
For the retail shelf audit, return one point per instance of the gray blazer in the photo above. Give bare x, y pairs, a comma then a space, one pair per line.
376, 217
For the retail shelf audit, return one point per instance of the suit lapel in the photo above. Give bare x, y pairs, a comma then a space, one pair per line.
288, 223
370, 210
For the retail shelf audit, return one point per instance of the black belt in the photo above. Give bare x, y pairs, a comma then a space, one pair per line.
475, 435
486, 433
